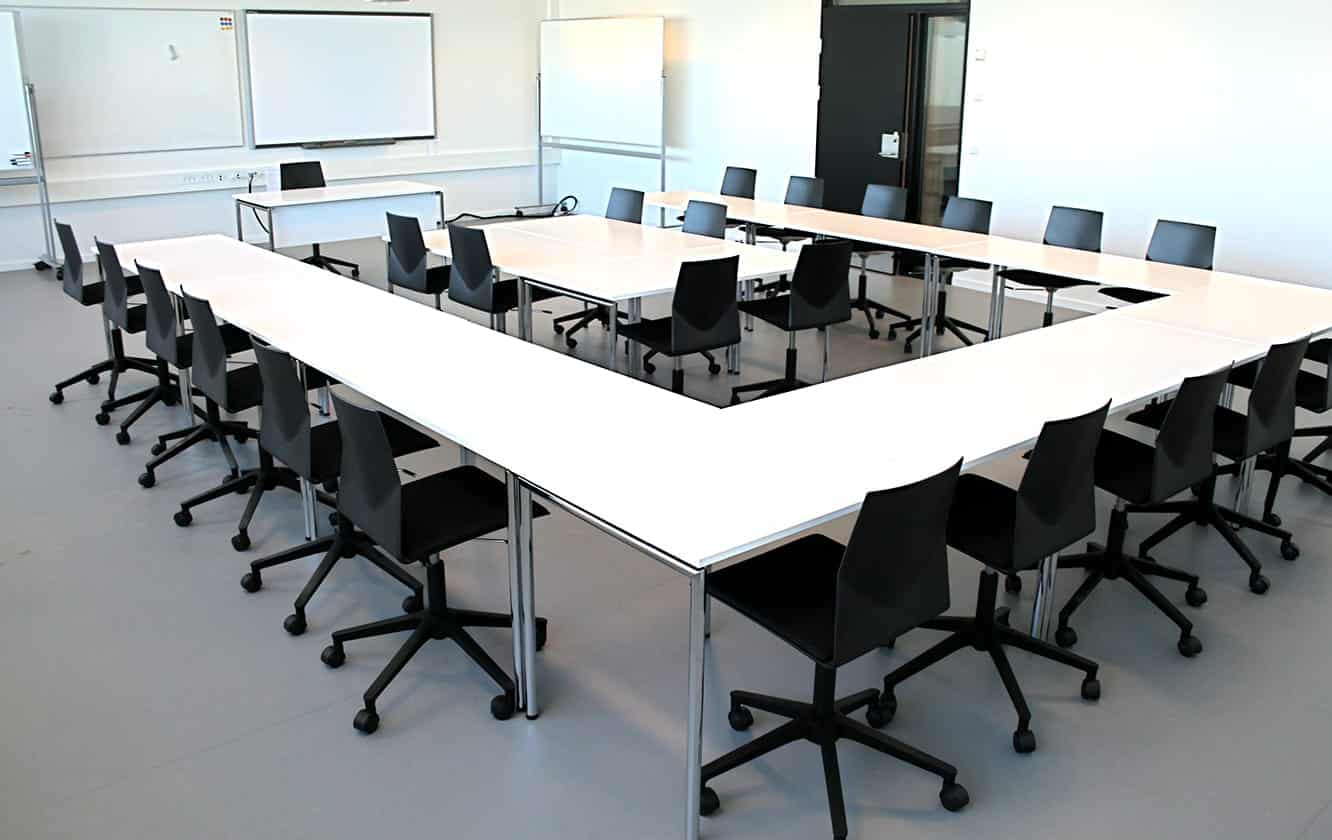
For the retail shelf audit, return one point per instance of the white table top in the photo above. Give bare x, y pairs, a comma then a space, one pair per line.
272, 199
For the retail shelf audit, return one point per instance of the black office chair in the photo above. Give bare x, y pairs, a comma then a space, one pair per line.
407, 257
315, 454
176, 351
881, 202
415, 523
1068, 227
1268, 424
737, 182
625, 205
1010, 531
704, 315
304, 175
965, 214
701, 218
1178, 243
1138, 474
834, 604
801, 191
129, 318
232, 390
475, 281
819, 298
92, 294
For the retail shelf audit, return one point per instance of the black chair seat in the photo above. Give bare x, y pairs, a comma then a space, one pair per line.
984, 520
792, 593
91, 294
478, 505
326, 446
654, 333
1131, 295
1311, 391
782, 234
1229, 428
1124, 467
136, 320
245, 389
774, 310
437, 280
505, 297
1041, 280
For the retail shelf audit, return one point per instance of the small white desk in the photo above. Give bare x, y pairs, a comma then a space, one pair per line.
332, 214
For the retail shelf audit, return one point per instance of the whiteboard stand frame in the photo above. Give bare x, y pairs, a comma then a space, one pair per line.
657, 153
37, 177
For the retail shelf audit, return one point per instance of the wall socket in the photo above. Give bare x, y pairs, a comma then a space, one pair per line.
220, 179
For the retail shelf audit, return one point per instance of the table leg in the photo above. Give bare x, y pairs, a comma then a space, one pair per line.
997, 297
748, 295
272, 232
635, 350
527, 576
928, 305
240, 232
307, 489
524, 310
517, 602
613, 354
694, 740
1042, 610
322, 397
183, 375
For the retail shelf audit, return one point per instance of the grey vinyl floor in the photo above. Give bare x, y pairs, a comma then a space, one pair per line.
144, 695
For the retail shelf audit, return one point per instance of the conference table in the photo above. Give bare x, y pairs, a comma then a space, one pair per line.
492, 394
331, 214
607, 263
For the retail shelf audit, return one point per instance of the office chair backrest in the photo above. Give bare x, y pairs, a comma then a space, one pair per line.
625, 205
1271, 413
885, 202
967, 214
1183, 455
302, 175
115, 294
1183, 243
739, 182
1056, 502
1070, 227
208, 365
72, 270
369, 490
704, 314
804, 192
284, 430
819, 291
705, 218
473, 280
406, 253
894, 573
160, 328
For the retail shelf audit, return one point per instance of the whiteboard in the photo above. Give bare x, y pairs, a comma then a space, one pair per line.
110, 81
329, 76
601, 79
15, 141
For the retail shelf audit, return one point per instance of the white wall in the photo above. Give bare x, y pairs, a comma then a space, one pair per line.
1211, 111
741, 89
485, 65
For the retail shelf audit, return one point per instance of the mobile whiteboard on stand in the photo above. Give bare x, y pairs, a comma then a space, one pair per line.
601, 88
21, 161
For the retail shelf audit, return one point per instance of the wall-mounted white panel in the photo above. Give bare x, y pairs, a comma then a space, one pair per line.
321, 77
15, 142
133, 80
601, 79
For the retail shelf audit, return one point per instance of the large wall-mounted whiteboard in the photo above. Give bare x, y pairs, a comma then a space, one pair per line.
601, 79
329, 76
15, 142
133, 80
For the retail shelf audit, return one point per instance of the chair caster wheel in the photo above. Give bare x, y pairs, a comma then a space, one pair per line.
1190, 646
873, 334
1013, 585
147, 479
735, 399
906, 348
1024, 741
883, 712
252, 581
356, 272
242, 490
365, 722
348, 552
1258, 584
158, 448
102, 418
875, 716
1091, 689
333, 519
570, 343
294, 624
1290, 551
170, 398
502, 706
333, 656
412, 604
1066, 637
541, 626
740, 718
1272, 519
240, 541
1196, 596
708, 802
714, 369
92, 378
649, 368
954, 797
183, 518
122, 437
892, 335
56, 398
1002, 617
559, 329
